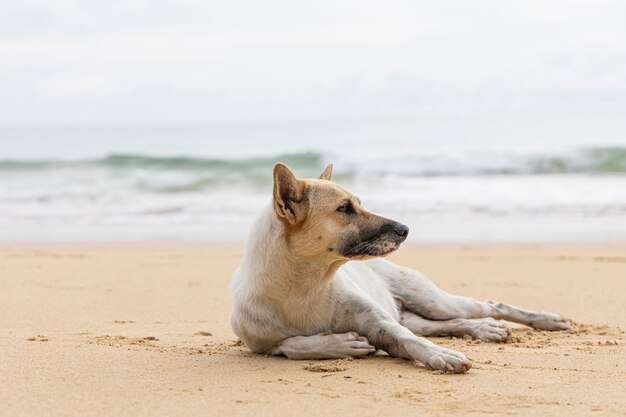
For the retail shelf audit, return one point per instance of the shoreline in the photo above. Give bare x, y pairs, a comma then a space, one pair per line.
238, 243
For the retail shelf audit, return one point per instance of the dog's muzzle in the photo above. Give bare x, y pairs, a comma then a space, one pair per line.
381, 242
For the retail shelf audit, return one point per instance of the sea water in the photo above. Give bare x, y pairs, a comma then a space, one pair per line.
449, 180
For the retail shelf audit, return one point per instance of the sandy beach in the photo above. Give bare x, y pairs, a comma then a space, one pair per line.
129, 330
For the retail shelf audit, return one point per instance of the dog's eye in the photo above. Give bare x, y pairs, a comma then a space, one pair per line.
346, 208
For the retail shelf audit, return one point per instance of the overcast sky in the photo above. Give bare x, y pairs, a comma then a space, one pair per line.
198, 61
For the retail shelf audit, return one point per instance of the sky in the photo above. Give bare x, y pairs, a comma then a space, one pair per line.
94, 62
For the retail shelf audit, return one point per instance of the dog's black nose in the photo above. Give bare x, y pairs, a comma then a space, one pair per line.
401, 230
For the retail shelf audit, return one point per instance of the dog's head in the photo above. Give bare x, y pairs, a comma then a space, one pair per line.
322, 219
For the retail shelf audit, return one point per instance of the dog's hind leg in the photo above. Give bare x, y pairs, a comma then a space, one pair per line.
488, 330
536, 319
420, 296
324, 346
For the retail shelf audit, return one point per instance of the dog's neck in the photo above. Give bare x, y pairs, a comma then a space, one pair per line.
273, 268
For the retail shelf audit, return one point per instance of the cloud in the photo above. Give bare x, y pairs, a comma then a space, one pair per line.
199, 61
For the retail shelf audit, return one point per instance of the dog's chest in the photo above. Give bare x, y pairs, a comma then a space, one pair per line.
309, 316
358, 279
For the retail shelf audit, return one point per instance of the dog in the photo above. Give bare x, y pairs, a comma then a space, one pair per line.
312, 284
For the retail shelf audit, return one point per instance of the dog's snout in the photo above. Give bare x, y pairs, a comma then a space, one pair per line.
401, 230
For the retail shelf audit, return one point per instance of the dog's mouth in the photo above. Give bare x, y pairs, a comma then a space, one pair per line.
379, 247
381, 244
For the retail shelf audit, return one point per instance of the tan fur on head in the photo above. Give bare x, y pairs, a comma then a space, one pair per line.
324, 220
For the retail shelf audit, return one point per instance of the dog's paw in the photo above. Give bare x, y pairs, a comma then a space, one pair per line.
488, 330
351, 344
549, 321
448, 360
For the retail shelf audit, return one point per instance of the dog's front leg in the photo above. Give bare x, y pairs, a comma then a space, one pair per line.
324, 346
386, 333
399, 341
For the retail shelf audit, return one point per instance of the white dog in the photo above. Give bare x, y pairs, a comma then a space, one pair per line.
309, 286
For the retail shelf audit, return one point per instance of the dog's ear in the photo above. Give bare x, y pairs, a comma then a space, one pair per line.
328, 173
288, 194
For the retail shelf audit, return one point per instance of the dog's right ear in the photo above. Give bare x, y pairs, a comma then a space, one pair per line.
288, 194
328, 173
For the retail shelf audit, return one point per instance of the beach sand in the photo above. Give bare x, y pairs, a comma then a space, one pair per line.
123, 329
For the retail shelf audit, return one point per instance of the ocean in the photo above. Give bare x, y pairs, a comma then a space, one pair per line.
449, 180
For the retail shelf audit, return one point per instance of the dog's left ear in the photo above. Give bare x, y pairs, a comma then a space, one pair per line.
288, 195
328, 173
